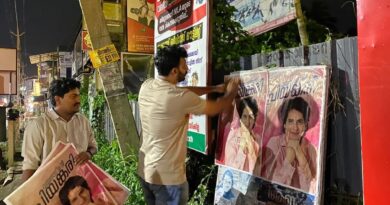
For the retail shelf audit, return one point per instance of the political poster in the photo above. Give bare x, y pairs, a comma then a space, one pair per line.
140, 25
241, 127
186, 23
235, 187
259, 16
59, 180
292, 134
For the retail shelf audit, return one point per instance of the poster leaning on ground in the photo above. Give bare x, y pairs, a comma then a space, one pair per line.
290, 144
186, 23
60, 181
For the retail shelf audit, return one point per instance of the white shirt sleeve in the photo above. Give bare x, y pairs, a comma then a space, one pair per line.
32, 146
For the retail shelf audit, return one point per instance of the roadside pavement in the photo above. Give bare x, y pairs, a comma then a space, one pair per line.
10, 178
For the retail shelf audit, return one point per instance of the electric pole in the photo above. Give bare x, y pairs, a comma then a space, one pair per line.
18, 55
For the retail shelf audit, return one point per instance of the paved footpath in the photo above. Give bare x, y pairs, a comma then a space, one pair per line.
7, 186
10, 179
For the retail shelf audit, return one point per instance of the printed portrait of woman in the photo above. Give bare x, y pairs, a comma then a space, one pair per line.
290, 158
226, 193
242, 144
76, 191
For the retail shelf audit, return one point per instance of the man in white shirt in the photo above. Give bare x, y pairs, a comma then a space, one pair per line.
165, 110
62, 123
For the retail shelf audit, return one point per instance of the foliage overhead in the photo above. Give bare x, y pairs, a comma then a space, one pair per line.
230, 41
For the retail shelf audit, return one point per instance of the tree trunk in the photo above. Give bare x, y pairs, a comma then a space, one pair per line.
301, 21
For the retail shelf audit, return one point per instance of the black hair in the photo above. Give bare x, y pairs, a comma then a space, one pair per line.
251, 103
195, 74
169, 57
60, 87
298, 104
69, 185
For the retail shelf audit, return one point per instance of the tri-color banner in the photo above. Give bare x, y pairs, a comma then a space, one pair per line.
186, 23
276, 131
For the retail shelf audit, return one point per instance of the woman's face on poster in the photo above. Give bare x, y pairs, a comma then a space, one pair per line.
79, 196
295, 125
247, 118
227, 183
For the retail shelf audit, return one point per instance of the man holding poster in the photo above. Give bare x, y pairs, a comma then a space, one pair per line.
62, 123
165, 110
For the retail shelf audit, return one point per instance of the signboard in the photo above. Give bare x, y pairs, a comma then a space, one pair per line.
374, 86
103, 56
53, 56
259, 16
276, 129
7, 59
140, 26
86, 41
7, 83
112, 11
136, 68
186, 23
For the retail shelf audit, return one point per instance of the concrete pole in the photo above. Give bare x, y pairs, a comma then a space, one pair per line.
115, 93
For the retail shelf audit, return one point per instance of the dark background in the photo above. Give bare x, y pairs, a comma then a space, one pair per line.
49, 25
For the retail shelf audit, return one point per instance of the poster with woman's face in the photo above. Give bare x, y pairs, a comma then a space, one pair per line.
59, 180
241, 127
293, 127
292, 109
235, 187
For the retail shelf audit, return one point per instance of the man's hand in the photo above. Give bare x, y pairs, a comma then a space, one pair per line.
232, 86
221, 88
82, 158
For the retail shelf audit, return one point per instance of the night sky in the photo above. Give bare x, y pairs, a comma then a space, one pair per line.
49, 24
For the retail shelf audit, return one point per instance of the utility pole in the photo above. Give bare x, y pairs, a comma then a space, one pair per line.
18, 54
15, 127
116, 96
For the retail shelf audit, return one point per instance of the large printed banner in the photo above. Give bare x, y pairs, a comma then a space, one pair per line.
185, 22
259, 16
140, 24
275, 130
60, 181
234, 187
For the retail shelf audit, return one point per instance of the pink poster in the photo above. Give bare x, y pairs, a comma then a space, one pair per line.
59, 180
295, 106
287, 125
241, 127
